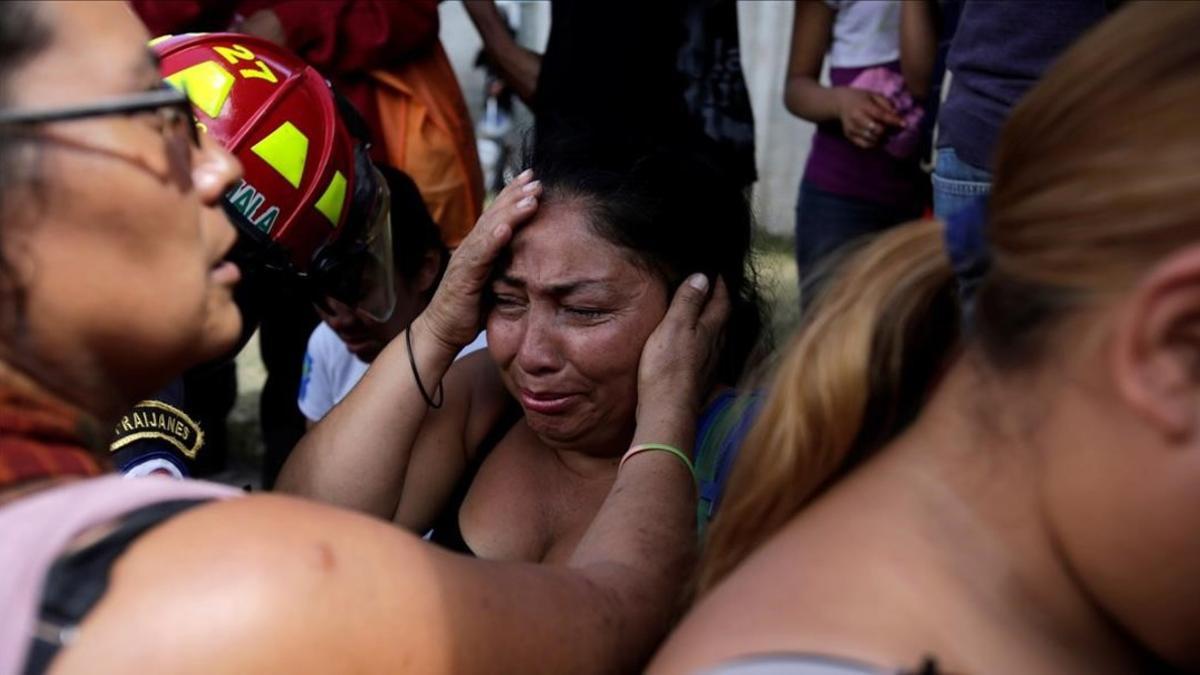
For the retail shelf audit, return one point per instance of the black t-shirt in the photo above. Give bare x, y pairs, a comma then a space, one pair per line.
611, 67
715, 87
623, 76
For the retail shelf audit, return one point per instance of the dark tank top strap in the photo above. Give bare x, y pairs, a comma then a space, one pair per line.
77, 580
446, 530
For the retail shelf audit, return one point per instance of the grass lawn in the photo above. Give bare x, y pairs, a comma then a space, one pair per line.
775, 259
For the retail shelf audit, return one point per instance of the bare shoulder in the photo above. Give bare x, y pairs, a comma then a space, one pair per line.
806, 591
476, 369
267, 584
271, 584
475, 379
750, 612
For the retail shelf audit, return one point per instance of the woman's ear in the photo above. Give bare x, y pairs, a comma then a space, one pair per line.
1156, 348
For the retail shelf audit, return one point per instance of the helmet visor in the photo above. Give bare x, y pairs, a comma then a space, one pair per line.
363, 275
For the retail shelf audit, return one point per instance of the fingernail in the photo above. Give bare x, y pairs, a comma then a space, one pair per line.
698, 282
525, 203
525, 174
530, 187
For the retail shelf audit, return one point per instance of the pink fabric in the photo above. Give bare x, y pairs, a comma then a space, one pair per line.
902, 143
873, 175
35, 529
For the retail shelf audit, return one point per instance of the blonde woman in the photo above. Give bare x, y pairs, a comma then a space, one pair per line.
1017, 491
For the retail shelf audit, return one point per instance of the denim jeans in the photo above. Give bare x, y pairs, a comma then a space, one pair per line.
825, 222
956, 183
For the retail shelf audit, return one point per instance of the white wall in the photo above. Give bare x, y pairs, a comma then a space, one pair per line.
461, 42
782, 141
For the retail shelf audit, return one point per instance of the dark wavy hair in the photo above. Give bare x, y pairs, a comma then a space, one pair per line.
675, 210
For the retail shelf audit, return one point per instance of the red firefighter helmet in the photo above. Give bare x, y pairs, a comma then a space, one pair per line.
310, 202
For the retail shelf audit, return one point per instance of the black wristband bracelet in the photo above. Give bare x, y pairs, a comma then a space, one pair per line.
412, 361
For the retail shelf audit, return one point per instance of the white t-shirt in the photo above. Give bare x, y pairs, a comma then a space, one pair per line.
331, 371
865, 32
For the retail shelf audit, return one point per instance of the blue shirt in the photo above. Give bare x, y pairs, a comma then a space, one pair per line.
1000, 50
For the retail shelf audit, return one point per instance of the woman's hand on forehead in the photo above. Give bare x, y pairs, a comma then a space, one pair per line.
454, 316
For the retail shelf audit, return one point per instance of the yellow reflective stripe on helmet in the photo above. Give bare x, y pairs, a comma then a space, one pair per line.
160, 38
331, 202
285, 150
207, 85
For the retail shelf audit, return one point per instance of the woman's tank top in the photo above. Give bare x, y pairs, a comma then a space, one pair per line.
35, 530
446, 531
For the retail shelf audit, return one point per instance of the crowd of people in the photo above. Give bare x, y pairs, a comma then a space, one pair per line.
553, 434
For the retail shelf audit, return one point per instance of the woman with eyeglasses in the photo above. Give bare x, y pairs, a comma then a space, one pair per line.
113, 280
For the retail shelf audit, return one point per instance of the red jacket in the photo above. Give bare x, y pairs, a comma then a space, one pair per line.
344, 39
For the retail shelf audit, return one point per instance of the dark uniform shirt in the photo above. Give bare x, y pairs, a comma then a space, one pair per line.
158, 436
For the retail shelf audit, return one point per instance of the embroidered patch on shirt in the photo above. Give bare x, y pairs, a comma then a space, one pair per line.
157, 420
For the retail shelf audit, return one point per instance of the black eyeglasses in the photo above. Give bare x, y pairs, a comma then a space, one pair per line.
170, 103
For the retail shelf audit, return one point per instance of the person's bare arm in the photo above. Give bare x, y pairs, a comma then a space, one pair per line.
358, 455
918, 45
272, 584
517, 65
299, 587
863, 114
469, 414
803, 94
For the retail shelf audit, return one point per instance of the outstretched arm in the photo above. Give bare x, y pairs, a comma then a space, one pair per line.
517, 65
297, 586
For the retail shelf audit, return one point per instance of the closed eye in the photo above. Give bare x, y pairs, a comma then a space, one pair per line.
587, 312
507, 304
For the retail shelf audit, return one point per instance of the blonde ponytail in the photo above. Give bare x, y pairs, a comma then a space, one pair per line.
1097, 173
854, 375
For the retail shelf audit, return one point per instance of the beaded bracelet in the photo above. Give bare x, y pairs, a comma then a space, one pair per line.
643, 447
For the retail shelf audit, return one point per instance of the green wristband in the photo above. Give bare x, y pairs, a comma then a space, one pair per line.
644, 447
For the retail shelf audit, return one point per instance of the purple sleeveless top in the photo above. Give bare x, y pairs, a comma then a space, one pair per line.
35, 529
837, 166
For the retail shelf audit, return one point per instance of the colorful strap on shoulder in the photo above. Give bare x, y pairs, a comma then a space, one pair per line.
722, 428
